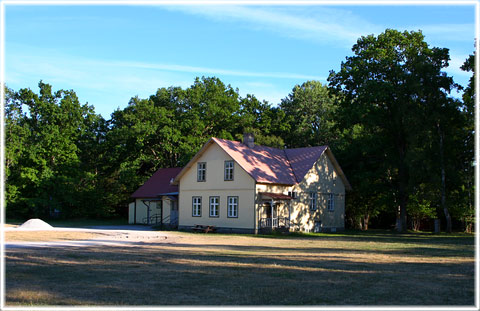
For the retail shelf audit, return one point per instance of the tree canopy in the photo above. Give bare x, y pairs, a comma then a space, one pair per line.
404, 142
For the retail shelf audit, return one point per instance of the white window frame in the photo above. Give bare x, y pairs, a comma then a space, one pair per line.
196, 206
229, 169
201, 171
313, 201
232, 207
331, 202
214, 206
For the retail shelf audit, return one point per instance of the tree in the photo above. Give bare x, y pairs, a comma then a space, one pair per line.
310, 110
386, 88
16, 136
465, 193
43, 155
262, 120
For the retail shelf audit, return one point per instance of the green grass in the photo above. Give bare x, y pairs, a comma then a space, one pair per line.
351, 268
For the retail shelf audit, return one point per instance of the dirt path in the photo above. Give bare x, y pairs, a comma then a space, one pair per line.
105, 235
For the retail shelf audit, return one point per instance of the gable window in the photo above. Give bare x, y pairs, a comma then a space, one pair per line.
196, 206
313, 201
214, 206
232, 207
229, 170
331, 202
201, 171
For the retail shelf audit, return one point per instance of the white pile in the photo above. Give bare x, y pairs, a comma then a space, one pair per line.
35, 223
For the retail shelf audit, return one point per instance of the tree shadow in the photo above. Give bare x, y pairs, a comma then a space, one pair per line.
203, 274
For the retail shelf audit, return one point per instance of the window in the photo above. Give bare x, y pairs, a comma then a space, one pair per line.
214, 205
331, 202
201, 171
229, 170
159, 204
232, 207
313, 201
196, 206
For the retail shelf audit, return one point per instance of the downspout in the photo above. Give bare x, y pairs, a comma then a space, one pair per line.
161, 214
255, 209
271, 214
135, 212
148, 212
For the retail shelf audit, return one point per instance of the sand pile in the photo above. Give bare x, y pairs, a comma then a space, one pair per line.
35, 223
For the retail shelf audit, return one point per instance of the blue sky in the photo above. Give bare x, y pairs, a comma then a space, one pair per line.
110, 53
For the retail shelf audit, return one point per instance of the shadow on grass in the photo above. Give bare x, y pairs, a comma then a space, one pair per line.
204, 274
380, 236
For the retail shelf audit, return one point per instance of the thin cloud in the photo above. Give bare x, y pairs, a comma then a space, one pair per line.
448, 32
318, 24
214, 71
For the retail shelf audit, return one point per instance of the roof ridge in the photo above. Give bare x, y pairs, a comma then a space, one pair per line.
290, 165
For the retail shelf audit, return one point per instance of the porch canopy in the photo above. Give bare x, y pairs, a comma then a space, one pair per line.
274, 196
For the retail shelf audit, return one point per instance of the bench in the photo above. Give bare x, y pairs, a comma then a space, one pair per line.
204, 229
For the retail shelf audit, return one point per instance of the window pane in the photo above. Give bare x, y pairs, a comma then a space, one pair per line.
201, 171
228, 170
232, 207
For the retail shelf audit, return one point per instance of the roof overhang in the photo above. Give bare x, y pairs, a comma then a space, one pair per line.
275, 196
338, 169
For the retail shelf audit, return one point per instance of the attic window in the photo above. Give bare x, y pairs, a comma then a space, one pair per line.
229, 170
201, 171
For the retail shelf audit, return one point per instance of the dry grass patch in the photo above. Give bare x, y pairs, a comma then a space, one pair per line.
214, 269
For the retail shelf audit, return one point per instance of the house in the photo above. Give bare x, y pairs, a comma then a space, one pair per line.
243, 187
155, 202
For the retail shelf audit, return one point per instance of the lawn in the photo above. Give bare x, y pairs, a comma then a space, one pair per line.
374, 268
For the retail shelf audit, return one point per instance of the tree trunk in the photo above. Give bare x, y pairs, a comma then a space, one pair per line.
366, 219
443, 187
402, 197
359, 223
403, 176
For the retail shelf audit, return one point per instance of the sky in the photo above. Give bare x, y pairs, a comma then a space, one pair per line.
110, 53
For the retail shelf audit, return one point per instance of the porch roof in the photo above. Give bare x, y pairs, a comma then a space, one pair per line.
276, 196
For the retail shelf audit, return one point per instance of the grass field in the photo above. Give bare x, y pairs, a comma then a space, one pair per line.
373, 268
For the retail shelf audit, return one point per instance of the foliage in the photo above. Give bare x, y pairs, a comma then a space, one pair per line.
392, 87
310, 111
401, 139
44, 169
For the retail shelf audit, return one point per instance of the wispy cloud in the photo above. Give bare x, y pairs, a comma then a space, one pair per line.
321, 24
116, 81
450, 32
212, 71
318, 24
71, 68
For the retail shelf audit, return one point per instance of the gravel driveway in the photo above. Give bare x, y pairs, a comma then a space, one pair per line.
107, 235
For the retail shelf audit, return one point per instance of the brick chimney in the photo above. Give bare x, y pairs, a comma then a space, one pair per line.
249, 140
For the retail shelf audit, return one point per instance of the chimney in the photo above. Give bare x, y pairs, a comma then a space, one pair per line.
249, 140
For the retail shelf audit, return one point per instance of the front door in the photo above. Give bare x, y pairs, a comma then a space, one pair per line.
268, 210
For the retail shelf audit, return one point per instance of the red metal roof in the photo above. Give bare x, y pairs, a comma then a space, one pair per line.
271, 165
302, 159
159, 183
